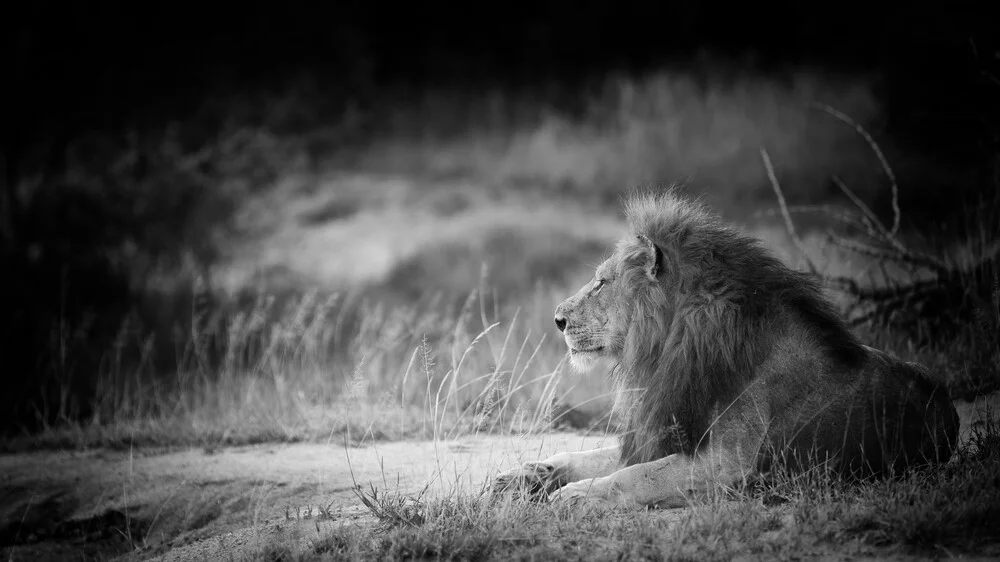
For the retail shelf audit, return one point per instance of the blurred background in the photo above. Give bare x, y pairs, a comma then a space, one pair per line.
250, 224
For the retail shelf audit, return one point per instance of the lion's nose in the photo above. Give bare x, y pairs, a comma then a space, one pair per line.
560, 322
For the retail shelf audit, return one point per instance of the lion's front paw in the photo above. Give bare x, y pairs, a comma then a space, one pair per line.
531, 481
594, 492
576, 492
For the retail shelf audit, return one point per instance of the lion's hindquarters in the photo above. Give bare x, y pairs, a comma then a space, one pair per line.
890, 418
927, 423
914, 419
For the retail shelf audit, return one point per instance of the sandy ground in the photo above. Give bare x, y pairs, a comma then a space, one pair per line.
194, 504
188, 504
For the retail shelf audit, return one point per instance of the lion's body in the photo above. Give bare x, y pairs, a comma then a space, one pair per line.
728, 361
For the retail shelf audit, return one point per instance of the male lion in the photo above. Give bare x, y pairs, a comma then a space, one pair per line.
727, 364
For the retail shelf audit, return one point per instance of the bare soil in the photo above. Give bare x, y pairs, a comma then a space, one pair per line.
196, 504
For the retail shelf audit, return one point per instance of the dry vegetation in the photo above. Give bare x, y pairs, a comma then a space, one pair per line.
432, 345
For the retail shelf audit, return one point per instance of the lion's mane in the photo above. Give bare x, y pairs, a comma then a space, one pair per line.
696, 337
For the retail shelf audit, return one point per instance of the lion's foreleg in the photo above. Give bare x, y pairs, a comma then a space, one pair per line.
579, 465
560, 469
668, 482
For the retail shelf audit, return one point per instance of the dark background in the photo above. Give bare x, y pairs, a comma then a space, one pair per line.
73, 69
82, 65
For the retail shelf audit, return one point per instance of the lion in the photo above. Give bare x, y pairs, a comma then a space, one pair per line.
728, 365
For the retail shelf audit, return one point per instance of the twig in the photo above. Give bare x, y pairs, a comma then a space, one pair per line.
845, 284
889, 237
878, 152
784, 210
885, 306
908, 258
883, 294
865, 249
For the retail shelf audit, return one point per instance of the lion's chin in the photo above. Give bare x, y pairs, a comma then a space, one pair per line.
584, 360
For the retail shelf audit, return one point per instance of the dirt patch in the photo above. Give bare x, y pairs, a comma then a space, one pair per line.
188, 504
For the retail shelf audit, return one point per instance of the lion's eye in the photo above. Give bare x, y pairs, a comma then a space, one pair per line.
600, 285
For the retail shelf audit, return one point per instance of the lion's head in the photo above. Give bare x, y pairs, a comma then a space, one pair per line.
595, 321
686, 306
640, 283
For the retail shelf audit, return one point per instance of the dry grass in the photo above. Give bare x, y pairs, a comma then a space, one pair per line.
321, 369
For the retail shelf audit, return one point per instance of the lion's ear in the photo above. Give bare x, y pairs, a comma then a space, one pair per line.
654, 257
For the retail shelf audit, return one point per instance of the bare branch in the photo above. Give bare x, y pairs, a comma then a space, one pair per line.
886, 301
866, 249
784, 210
905, 257
889, 237
845, 284
878, 152
883, 294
